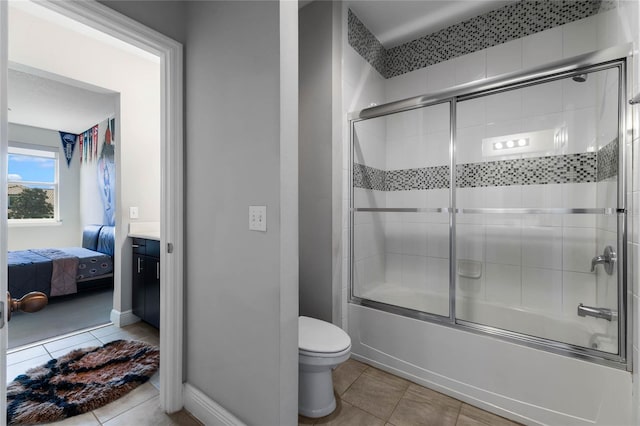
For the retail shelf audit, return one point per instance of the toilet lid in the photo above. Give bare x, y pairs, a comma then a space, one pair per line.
320, 336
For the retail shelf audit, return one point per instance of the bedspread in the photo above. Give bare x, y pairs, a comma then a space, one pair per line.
63, 273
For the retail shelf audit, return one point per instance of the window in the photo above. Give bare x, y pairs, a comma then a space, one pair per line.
33, 184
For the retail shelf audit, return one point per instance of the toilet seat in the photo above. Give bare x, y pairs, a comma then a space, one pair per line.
321, 339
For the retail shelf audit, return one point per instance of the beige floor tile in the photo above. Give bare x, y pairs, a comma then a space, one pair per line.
26, 354
415, 413
67, 342
386, 377
149, 414
305, 421
86, 419
19, 368
348, 415
472, 416
421, 394
136, 397
375, 396
90, 343
346, 374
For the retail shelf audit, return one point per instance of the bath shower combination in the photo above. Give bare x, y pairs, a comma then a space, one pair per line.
499, 208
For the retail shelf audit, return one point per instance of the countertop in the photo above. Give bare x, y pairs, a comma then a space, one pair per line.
147, 230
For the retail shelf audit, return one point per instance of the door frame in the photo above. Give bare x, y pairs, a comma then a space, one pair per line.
170, 52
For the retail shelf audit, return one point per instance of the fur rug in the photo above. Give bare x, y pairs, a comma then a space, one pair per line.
80, 381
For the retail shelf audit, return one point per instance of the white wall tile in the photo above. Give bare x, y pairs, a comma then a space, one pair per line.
437, 149
579, 37
393, 269
438, 240
503, 284
542, 289
504, 106
470, 67
504, 58
437, 275
578, 248
542, 99
581, 127
503, 245
414, 272
414, 239
470, 242
580, 95
470, 113
406, 85
577, 288
542, 48
393, 237
469, 144
579, 195
542, 247
441, 76
437, 118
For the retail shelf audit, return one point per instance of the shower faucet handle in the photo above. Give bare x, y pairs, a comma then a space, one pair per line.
607, 259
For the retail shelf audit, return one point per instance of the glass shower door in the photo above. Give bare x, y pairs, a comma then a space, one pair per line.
537, 210
401, 215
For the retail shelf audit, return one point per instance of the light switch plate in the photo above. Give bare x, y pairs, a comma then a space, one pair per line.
258, 218
133, 212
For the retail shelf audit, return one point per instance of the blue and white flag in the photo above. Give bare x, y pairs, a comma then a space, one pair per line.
68, 145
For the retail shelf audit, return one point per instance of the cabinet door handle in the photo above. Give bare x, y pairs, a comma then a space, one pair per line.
135, 245
157, 270
139, 265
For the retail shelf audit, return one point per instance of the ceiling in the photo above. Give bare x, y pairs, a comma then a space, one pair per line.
51, 102
394, 22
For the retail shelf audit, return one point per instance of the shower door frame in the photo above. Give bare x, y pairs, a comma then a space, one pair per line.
616, 57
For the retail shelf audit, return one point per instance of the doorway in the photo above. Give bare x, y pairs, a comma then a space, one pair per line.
108, 23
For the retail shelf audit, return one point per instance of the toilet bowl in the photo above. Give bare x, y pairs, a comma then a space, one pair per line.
321, 347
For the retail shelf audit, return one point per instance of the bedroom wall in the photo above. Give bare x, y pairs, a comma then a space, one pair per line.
67, 231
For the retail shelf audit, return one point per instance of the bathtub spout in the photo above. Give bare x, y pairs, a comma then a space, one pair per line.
604, 313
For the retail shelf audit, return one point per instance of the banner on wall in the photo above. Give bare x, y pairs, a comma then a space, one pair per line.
107, 175
68, 145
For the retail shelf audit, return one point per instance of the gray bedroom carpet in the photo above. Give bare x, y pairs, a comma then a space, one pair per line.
61, 316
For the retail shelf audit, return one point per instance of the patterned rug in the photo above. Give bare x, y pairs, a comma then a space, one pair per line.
80, 381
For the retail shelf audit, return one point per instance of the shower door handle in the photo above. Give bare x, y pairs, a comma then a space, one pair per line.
607, 259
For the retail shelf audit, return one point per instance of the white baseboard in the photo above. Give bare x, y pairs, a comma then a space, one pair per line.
207, 410
121, 319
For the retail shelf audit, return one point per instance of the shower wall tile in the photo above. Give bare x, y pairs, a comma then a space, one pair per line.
542, 48
406, 85
542, 99
414, 238
579, 195
577, 288
469, 144
472, 287
470, 67
441, 76
581, 128
437, 275
579, 37
504, 106
542, 289
503, 284
438, 240
471, 113
579, 95
503, 245
542, 247
504, 58
470, 242
414, 272
393, 269
578, 248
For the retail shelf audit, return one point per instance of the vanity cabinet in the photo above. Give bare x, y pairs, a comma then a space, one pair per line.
146, 280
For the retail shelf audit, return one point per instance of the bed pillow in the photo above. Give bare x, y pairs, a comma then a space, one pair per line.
106, 240
90, 236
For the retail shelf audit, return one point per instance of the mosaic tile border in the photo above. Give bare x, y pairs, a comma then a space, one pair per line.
515, 20
608, 161
572, 168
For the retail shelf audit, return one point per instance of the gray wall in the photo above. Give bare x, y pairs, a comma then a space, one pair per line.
315, 160
320, 157
241, 285
233, 160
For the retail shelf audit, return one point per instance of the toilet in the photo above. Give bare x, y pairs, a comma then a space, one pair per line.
321, 347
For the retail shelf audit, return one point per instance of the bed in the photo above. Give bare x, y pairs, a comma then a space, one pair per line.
64, 271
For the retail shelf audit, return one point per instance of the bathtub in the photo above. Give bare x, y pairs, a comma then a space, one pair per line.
571, 329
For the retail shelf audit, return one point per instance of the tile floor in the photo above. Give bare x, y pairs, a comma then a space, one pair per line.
365, 395
372, 397
140, 407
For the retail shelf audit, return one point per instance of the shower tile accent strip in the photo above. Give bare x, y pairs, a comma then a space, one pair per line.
608, 161
499, 26
572, 168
